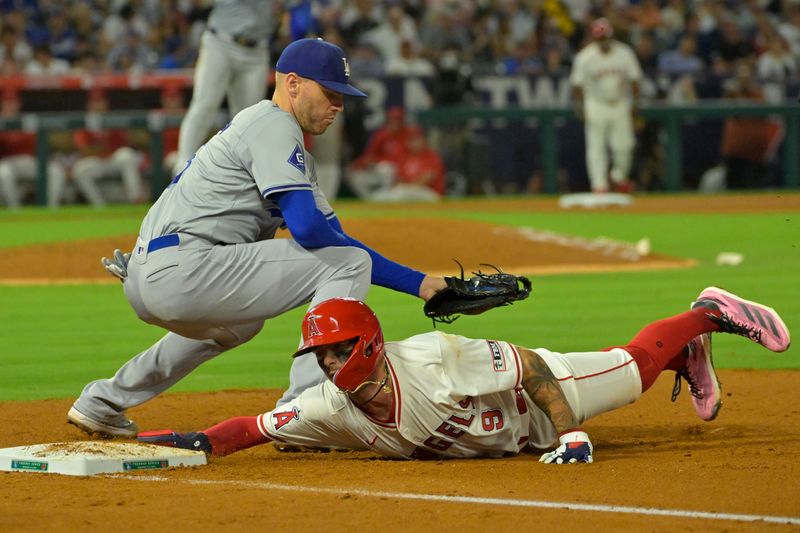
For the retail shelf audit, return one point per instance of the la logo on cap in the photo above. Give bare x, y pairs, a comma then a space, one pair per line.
346, 67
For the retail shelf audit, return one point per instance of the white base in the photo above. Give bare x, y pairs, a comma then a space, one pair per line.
595, 199
86, 458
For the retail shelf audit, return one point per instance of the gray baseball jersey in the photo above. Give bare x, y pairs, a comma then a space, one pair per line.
223, 195
456, 397
206, 267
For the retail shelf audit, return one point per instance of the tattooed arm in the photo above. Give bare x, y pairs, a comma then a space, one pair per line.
545, 391
543, 388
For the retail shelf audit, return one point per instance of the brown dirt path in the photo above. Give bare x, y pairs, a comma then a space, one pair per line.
650, 454
512, 249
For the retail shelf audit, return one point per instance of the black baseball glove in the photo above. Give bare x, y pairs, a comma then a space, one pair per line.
475, 295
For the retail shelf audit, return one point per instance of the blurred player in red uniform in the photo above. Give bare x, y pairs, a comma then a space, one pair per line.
375, 166
18, 160
418, 173
105, 153
411, 171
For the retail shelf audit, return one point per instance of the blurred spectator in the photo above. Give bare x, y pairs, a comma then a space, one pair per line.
131, 54
121, 23
645, 49
388, 36
61, 37
43, 63
106, 154
522, 17
172, 37
774, 68
706, 39
461, 39
13, 47
87, 28
748, 144
682, 91
605, 78
732, 45
523, 60
409, 63
485, 43
681, 61
442, 28
88, 64
358, 18
645, 15
554, 63
673, 16
764, 32
415, 174
365, 61
18, 161
9, 67
789, 28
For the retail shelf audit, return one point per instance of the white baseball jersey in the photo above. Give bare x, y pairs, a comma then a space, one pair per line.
606, 77
454, 397
224, 193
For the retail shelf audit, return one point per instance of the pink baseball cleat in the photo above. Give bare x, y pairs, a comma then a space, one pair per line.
702, 379
757, 322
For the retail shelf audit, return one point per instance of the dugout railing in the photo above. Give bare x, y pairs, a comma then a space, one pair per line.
671, 118
547, 120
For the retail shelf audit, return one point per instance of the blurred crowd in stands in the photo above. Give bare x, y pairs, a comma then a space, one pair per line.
689, 49
412, 37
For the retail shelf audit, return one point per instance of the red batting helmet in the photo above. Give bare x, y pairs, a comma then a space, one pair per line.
342, 319
601, 28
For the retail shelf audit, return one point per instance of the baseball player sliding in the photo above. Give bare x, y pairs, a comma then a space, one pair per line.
441, 395
233, 61
605, 78
205, 265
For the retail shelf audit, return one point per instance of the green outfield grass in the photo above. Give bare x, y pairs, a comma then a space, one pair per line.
56, 339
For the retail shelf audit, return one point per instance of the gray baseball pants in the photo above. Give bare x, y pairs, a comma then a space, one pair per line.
213, 298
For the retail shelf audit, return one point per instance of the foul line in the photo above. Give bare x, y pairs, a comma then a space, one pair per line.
651, 511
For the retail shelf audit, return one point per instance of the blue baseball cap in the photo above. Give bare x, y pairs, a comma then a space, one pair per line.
321, 61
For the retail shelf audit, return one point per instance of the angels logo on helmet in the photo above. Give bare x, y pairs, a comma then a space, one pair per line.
338, 320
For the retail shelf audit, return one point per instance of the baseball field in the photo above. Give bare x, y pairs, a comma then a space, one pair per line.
65, 322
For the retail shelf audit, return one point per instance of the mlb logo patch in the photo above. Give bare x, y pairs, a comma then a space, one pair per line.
297, 159
498, 357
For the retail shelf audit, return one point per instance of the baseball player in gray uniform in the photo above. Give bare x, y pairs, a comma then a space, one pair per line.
205, 265
233, 61
441, 395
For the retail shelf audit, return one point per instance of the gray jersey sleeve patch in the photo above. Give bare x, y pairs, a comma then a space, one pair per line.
297, 159
274, 145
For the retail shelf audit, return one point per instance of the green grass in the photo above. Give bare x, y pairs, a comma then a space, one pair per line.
56, 339
39, 226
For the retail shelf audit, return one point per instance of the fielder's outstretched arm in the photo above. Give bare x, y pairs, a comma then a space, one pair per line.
543, 388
